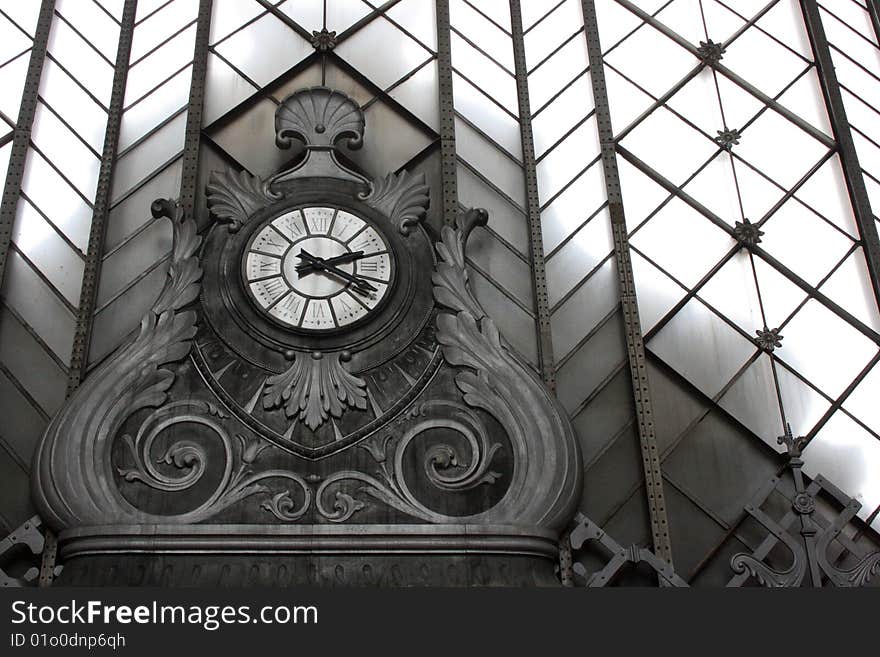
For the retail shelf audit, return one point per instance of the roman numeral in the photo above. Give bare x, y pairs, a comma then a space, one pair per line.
291, 302
371, 266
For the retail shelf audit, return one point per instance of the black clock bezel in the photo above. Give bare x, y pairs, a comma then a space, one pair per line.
259, 340
336, 330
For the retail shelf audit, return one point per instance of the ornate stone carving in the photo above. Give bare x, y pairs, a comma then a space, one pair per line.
315, 387
234, 197
545, 449
190, 458
444, 466
79, 438
321, 118
75, 486
403, 198
421, 417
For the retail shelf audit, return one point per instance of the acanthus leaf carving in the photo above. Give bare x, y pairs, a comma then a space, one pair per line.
404, 198
493, 379
234, 197
450, 278
315, 387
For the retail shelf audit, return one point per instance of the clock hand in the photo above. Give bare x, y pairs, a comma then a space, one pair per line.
359, 284
308, 267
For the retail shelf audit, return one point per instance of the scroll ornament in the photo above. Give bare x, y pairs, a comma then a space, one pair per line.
74, 483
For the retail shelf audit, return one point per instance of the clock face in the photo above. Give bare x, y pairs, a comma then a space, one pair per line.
318, 269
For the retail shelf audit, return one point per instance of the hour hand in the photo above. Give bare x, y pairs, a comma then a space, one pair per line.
307, 267
359, 284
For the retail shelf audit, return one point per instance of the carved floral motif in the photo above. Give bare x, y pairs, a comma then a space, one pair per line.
403, 198
315, 387
234, 197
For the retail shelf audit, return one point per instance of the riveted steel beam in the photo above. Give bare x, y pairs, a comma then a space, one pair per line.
195, 109
629, 304
849, 159
21, 135
533, 202
79, 356
85, 312
447, 115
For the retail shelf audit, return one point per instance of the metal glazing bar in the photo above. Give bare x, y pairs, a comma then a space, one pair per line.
22, 133
190, 170
730, 75
284, 18
94, 255
629, 305
874, 13
533, 203
849, 159
447, 115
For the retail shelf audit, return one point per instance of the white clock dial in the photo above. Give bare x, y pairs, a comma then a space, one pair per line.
318, 268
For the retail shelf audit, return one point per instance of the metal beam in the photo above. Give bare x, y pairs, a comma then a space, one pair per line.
533, 202
85, 313
849, 159
190, 171
79, 357
448, 160
874, 13
22, 134
629, 304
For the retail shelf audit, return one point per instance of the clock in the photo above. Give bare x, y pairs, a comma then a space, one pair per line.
318, 269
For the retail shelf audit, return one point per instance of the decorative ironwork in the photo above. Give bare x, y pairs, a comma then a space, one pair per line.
728, 138
747, 233
809, 544
323, 41
30, 536
710, 53
620, 557
768, 339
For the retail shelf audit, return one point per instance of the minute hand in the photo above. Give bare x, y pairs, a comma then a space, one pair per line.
359, 283
308, 267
